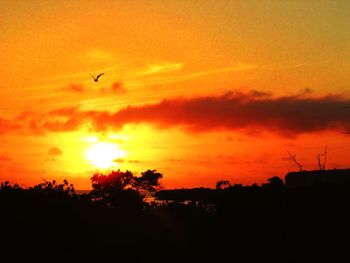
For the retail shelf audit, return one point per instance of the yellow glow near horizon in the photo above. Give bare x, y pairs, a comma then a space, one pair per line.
102, 154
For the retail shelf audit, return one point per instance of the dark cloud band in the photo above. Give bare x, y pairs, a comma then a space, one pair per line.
232, 111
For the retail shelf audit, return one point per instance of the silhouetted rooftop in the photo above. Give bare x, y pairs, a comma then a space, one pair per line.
317, 177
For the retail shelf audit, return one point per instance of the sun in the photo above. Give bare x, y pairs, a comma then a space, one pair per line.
103, 155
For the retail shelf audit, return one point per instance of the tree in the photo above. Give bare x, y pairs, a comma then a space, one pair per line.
115, 180
223, 184
7, 186
52, 187
274, 183
148, 181
122, 189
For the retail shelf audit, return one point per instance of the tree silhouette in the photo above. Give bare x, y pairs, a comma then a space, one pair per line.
122, 189
7, 186
149, 181
223, 184
52, 187
115, 180
275, 182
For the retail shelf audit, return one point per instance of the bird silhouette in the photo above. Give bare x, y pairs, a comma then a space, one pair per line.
96, 79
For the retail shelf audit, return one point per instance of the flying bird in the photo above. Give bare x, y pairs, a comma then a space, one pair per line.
96, 79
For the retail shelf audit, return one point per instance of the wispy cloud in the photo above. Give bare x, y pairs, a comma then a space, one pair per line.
82, 76
5, 158
55, 151
237, 67
96, 55
292, 66
258, 93
74, 88
161, 68
194, 75
116, 87
121, 160
7, 126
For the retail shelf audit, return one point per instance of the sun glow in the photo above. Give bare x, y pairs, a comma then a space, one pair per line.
103, 155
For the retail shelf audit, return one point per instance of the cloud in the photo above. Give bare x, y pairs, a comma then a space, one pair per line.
134, 161
96, 55
5, 158
162, 68
236, 111
245, 112
59, 120
55, 151
67, 111
199, 74
121, 160
8, 126
116, 87
307, 90
74, 88
258, 93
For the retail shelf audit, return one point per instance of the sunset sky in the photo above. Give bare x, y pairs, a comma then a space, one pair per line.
198, 90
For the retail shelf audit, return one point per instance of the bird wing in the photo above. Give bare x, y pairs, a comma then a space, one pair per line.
92, 76
99, 75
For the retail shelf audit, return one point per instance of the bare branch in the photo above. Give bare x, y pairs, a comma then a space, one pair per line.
325, 157
322, 166
294, 159
318, 158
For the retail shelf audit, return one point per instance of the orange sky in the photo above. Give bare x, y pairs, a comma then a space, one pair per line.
199, 90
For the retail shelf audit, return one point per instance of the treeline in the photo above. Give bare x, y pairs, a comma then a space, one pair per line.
223, 187
231, 223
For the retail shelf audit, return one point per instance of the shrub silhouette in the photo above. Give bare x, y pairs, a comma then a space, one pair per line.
52, 187
7, 186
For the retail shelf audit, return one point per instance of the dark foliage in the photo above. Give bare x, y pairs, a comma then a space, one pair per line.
234, 223
120, 189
